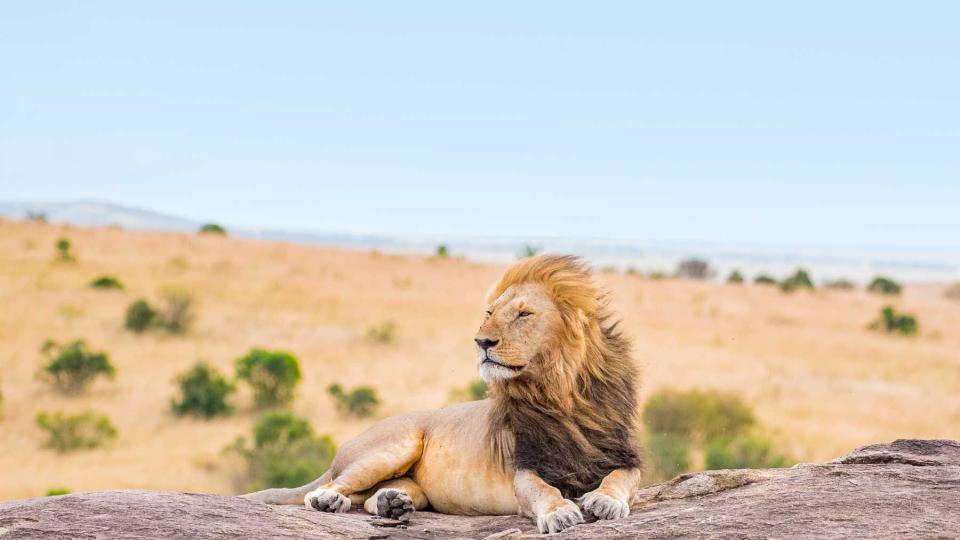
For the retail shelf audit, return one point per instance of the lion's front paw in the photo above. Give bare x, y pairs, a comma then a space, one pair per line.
564, 516
394, 504
603, 506
326, 500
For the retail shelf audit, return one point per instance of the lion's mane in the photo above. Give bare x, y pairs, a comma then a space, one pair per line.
573, 419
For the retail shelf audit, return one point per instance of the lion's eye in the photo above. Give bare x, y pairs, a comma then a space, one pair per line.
524, 314
489, 313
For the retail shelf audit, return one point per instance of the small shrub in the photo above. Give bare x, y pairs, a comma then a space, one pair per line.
140, 316
475, 391
694, 269
442, 251
668, 455
37, 215
839, 285
697, 413
360, 402
764, 279
64, 250
529, 251
895, 323
799, 280
735, 277
657, 275
67, 432
743, 452
285, 452
385, 332
177, 317
883, 285
212, 228
71, 366
203, 393
273, 375
106, 282
53, 492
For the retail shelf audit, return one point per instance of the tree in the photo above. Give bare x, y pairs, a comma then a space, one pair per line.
273, 375
442, 251
212, 228
140, 316
359, 402
884, 285
106, 282
799, 280
895, 323
68, 432
694, 269
64, 250
735, 277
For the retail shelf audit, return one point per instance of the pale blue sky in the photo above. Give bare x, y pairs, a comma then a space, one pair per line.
815, 123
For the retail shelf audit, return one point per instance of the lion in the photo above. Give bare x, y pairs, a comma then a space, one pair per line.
555, 440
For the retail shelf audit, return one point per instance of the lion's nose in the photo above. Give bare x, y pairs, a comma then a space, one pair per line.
485, 343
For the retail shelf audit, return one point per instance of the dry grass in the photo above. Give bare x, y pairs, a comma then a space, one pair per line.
805, 361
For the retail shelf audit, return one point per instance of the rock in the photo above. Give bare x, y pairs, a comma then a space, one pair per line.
908, 488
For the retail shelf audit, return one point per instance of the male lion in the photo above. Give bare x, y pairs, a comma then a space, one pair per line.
558, 426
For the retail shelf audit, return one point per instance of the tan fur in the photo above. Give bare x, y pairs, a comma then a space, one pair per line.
550, 350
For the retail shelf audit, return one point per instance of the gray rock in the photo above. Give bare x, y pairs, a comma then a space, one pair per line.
904, 489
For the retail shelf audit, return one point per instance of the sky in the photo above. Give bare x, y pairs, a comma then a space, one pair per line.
814, 123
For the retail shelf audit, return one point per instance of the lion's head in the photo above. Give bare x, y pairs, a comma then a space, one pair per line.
540, 307
562, 380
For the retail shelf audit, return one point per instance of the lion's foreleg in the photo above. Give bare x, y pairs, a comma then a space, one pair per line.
397, 499
544, 503
363, 463
612, 499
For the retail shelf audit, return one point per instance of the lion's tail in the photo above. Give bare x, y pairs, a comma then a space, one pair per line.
287, 495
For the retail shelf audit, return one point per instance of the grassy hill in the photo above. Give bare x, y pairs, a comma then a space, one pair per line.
815, 375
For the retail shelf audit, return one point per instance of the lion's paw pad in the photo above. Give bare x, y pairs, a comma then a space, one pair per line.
394, 504
562, 518
326, 500
603, 506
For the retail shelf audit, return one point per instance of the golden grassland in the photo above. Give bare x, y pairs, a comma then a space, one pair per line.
819, 381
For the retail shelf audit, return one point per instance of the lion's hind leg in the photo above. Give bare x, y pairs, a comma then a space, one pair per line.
395, 499
385, 451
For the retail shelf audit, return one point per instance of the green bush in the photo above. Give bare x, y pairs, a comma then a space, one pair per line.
71, 366
743, 452
212, 228
883, 285
64, 250
53, 492
703, 414
764, 279
895, 323
385, 332
203, 393
106, 282
360, 402
178, 315
799, 280
529, 251
668, 455
735, 277
285, 452
273, 375
839, 284
476, 390
140, 316
68, 432
442, 251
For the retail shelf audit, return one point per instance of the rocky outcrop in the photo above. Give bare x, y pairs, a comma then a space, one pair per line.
905, 489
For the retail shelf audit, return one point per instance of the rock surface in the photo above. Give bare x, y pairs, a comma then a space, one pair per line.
904, 489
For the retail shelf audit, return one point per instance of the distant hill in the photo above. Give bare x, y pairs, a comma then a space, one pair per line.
96, 214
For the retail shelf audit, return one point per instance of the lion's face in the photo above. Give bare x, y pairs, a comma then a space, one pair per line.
519, 325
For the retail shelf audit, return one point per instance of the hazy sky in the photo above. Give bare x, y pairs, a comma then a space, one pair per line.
815, 123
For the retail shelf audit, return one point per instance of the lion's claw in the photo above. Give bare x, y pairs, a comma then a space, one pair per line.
394, 504
326, 500
603, 506
561, 518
